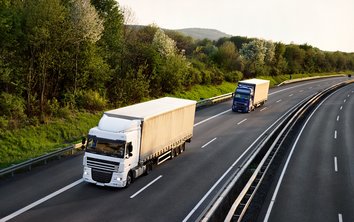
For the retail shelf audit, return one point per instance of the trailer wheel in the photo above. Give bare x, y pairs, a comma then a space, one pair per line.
183, 147
173, 153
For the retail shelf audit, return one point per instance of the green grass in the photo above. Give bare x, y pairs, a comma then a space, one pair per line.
32, 141
29, 142
202, 92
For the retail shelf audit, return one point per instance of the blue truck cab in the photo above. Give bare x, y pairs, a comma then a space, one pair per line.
242, 100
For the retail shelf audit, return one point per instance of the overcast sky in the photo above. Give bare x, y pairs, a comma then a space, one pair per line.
326, 24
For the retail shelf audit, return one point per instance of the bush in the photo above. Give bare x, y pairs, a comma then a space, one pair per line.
90, 100
12, 106
233, 76
217, 77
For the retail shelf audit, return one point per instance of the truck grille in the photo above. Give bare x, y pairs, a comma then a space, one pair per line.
101, 176
240, 105
102, 165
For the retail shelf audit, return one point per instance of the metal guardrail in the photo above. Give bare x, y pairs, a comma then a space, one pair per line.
44, 158
232, 203
213, 100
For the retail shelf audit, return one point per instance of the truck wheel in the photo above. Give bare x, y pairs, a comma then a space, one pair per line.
129, 179
173, 153
148, 169
183, 147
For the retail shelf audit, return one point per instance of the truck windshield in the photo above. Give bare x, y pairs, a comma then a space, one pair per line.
242, 96
106, 147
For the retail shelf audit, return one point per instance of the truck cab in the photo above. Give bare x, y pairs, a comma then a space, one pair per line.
111, 152
243, 99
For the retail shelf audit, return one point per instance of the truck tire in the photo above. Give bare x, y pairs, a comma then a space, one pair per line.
173, 153
129, 179
148, 169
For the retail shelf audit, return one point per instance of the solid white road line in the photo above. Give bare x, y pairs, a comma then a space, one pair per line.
335, 134
278, 101
291, 95
335, 164
266, 218
340, 217
149, 184
208, 143
241, 121
337, 118
50, 196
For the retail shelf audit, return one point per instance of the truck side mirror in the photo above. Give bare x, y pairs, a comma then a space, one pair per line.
130, 149
83, 141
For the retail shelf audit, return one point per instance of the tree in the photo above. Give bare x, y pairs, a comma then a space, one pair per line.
86, 27
294, 56
227, 57
43, 29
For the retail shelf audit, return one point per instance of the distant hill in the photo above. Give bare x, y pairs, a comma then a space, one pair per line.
196, 33
200, 33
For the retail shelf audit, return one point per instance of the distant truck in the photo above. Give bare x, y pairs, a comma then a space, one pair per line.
250, 94
128, 141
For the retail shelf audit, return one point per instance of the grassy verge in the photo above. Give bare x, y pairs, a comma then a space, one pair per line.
32, 141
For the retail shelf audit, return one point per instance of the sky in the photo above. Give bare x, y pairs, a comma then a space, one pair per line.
325, 24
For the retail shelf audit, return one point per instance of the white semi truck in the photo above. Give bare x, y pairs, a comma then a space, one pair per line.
128, 141
250, 94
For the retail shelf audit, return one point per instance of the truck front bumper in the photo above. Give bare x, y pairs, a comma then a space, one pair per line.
116, 180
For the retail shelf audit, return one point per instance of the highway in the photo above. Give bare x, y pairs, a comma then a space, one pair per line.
177, 190
317, 180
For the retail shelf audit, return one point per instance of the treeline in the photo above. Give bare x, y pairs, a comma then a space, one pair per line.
62, 55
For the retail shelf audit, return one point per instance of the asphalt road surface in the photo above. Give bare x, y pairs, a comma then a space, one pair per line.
178, 190
318, 181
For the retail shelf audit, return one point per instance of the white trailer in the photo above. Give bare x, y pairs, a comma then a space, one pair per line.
128, 141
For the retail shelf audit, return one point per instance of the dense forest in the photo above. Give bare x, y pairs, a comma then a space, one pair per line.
63, 55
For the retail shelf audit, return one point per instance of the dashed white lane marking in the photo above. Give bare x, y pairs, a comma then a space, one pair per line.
301, 91
335, 134
337, 118
263, 109
278, 101
340, 217
212, 117
208, 143
335, 164
341, 107
344, 100
146, 186
291, 95
241, 121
